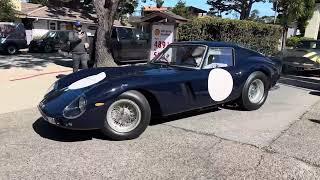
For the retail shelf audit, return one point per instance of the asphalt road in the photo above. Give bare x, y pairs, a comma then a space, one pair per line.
279, 141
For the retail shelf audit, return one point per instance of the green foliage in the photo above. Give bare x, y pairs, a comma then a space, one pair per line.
261, 37
295, 40
7, 11
302, 21
291, 11
181, 9
226, 6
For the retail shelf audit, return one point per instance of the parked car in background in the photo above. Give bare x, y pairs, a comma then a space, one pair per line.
304, 57
185, 76
12, 37
129, 45
50, 42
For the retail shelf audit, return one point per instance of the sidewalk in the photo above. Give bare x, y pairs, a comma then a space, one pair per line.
25, 79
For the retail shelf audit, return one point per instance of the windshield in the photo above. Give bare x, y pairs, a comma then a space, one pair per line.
182, 55
49, 34
6, 29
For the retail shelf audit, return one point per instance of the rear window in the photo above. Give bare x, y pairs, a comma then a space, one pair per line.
6, 29
125, 33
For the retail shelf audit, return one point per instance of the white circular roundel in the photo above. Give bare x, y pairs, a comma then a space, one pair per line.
220, 84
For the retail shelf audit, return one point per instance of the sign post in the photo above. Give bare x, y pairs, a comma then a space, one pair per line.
162, 36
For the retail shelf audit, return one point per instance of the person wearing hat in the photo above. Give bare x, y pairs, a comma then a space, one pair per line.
79, 46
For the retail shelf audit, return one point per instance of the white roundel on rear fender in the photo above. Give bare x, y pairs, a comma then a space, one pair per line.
220, 84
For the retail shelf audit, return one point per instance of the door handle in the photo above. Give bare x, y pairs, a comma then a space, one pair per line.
238, 73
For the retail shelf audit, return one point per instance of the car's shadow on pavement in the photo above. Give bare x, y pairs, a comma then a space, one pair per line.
181, 116
48, 131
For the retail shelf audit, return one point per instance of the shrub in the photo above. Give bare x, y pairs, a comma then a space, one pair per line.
295, 40
261, 37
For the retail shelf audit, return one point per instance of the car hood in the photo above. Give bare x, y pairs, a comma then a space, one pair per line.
114, 73
64, 94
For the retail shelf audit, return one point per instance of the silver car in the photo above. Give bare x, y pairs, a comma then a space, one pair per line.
304, 57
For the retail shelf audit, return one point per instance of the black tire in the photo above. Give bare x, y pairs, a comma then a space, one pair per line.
244, 100
140, 100
11, 49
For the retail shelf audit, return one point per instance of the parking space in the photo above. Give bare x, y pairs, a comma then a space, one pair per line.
215, 143
25, 78
280, 140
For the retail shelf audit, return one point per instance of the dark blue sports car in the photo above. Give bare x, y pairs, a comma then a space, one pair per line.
185, 76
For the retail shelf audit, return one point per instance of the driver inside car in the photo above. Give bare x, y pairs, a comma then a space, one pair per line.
194, 56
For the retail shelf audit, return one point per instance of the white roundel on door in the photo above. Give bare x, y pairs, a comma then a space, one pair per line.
220, 84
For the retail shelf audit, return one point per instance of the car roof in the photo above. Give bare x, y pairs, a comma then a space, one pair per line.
208, 43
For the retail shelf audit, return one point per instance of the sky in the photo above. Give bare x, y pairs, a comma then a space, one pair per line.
264, 8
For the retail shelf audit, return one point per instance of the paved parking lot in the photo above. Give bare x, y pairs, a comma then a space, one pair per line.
279, 141
25, 78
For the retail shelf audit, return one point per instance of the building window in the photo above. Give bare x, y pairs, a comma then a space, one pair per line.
53, 25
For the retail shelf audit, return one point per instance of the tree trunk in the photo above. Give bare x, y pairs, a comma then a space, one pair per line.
106, 10
246, 10
284, 38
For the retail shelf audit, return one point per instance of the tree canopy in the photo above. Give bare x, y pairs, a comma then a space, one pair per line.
181, 9
291, 11
243, 7
7, 11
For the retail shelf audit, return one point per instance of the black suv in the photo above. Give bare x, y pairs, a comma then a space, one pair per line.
12, 37
129, 45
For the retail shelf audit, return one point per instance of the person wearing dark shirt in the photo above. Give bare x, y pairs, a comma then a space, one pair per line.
79, 45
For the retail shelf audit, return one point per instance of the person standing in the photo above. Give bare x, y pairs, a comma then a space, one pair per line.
79, 45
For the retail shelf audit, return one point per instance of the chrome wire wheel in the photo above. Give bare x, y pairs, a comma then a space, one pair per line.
124, 115
256, 91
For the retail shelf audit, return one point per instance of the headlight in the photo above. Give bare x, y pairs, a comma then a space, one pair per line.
76, 108
54, 86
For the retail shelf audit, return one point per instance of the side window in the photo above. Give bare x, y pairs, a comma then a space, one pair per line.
219, 57
125, 33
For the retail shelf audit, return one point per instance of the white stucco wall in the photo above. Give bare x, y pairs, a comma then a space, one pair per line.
312, 29
40, 27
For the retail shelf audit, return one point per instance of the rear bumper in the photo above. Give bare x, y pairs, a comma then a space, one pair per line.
301, 67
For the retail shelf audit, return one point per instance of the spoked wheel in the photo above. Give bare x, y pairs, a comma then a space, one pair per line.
127, 117
255, 91
124, 115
